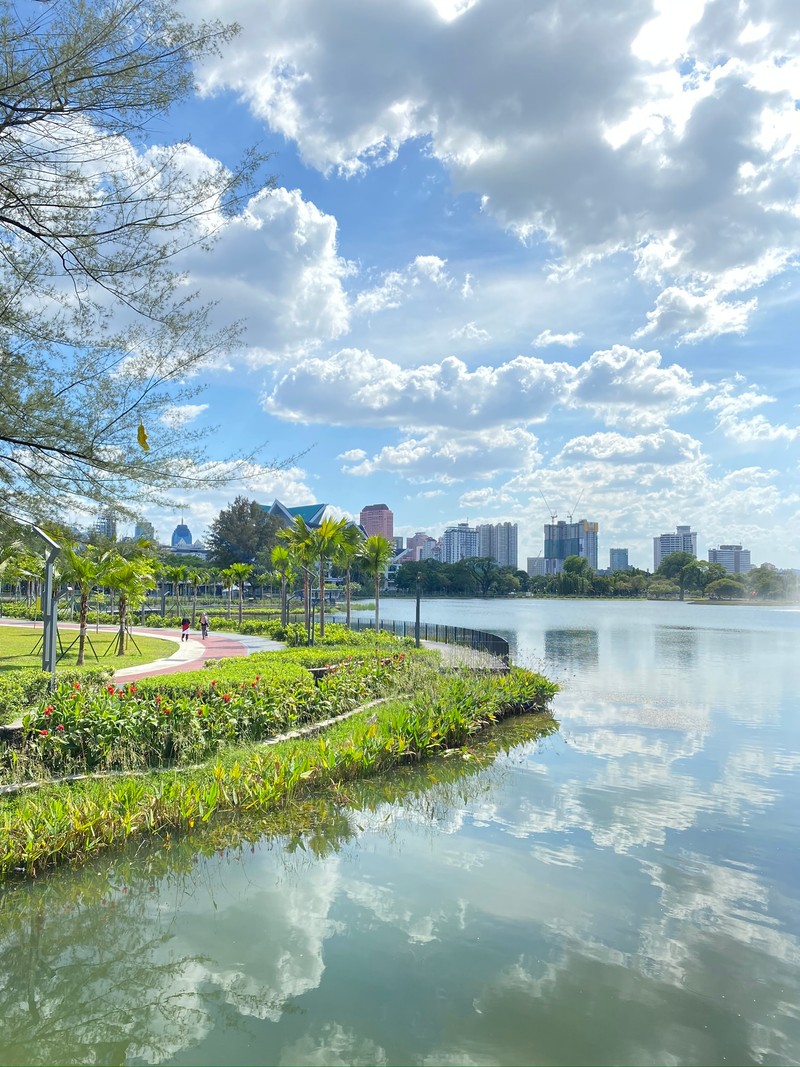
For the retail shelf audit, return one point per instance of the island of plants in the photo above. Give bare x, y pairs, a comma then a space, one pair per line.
98, 764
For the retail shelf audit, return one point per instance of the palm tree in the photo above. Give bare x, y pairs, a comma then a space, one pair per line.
84, 570
298, 537
282, 562
241, 572
323, 545
131, 578
195, 580
346, 555
176, 575
374, 555
227, 578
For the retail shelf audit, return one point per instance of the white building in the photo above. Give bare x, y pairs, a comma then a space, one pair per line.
499, 542
459, 542
683, 540
734, 558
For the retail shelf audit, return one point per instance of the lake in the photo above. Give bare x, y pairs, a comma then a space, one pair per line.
625, 890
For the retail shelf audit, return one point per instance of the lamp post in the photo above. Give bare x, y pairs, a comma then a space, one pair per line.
416, 622
49, 604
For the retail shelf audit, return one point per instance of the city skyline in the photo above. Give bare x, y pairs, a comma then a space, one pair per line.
510, 255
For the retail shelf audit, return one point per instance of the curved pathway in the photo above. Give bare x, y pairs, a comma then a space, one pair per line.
188, 656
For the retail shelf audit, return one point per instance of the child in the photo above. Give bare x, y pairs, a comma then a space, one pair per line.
184, 629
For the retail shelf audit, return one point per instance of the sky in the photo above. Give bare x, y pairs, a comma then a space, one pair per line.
523, 258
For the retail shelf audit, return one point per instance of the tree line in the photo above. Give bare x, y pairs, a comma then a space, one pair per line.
678, 574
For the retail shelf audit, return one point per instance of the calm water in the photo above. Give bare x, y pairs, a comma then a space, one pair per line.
626, 890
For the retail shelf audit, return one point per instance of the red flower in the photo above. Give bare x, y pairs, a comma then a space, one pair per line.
213, 681
166, 711
258, 677
43, 733
76, 685
227, 698
200, 711
110, 689
158, 699
60, 726
48, 710
131, 688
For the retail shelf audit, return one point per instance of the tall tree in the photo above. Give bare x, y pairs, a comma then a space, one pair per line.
374, 556
99, 333
241, 572
345, 556
282, 562
298, 539
131, 578
241, 532
680, 567
325, 541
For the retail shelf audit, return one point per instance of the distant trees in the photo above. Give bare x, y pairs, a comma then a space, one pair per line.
241, 532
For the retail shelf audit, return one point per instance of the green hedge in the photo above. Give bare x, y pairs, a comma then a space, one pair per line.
23, 688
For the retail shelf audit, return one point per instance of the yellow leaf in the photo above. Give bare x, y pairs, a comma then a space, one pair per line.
141, 437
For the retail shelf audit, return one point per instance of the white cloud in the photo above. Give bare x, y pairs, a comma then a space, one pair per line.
452, 457
547, 337
630, 386
695, 317
470, 332
729, 407
619, 129
356, 388
180, 415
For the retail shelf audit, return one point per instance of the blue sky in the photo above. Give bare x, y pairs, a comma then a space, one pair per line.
518, 248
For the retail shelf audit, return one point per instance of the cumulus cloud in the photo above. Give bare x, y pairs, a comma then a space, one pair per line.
666, 447
470, 332
296, 300
452, 457
372, 391
396, 286
630, 386
695, 317
670, 138
547, 337
729, 406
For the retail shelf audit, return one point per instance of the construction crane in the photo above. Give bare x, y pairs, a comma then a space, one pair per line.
574, 506
553, 515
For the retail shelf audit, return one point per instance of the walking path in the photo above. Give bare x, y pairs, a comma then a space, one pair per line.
188, 656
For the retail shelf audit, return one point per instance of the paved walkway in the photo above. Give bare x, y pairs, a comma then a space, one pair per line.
188, 655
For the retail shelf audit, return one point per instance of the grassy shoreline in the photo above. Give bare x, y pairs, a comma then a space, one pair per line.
425, 713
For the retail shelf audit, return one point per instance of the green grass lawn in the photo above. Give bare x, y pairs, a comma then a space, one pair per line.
21, 646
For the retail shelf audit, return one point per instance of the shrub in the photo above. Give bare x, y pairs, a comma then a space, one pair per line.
23, 689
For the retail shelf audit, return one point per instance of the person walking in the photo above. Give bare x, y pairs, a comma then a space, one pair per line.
204, 625
185, 629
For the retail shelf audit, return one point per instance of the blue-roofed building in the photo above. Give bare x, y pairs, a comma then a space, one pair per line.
312, 514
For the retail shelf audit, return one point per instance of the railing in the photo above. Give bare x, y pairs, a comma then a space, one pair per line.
480, 640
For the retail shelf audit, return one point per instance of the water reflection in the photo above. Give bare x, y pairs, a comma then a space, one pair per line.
572, 649
675, 646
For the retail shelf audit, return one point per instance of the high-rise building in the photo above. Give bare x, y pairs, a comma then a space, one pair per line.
683, 540
144, 531
459, 542
734, 558
106, 525
377, 520
398, 545
181, 536
499, 542
563, 539
536, 566
618, 559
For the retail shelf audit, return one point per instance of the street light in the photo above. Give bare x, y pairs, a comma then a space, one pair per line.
416, 623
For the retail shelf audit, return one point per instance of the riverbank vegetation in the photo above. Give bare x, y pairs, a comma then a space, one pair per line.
168, 754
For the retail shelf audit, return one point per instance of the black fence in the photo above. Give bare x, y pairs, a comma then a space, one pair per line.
480, 640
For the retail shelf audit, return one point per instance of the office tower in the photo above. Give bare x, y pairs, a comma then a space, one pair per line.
563, 539
536, 566
398, 545
181, 535
734, 558
377, 519
618, 559
683, 540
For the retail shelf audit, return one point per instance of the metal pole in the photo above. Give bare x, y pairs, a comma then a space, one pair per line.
416, 622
